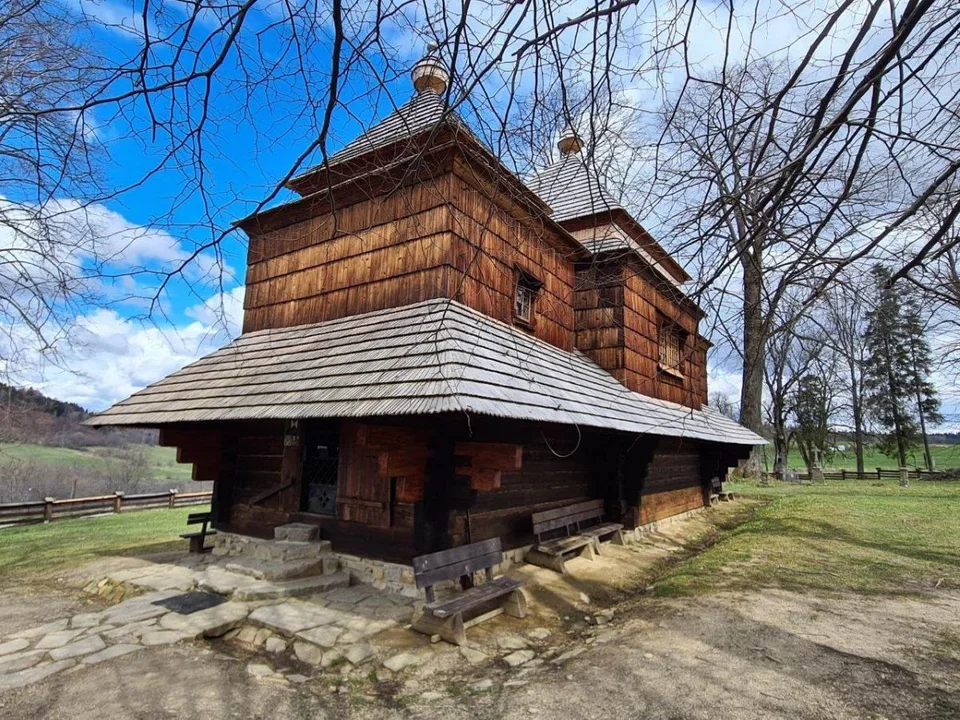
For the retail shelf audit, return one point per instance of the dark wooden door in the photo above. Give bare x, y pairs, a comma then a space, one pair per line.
321, 463
362, 496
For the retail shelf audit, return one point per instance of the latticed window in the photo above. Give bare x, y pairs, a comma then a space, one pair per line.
671, 348
525, 297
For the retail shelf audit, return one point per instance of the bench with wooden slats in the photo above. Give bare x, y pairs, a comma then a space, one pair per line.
717, 493
578, 540
198, 539
446, 617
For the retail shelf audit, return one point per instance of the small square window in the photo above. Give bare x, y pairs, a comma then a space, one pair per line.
525, 297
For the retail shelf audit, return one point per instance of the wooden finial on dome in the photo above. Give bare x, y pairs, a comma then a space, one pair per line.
570, 142
430, 74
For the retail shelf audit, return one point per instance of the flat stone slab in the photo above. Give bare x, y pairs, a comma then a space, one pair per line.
291, 617
268, 569
356, 654
301, 587
223, 582
13, 646
137, 609
308, 653
519, 658
114, 651
57, 639
51, 627
302, 532
89, 645
168, 577
34, 674
20, 661
400, 661
325, 636
472, 655
86, 620
212, 622
163, 637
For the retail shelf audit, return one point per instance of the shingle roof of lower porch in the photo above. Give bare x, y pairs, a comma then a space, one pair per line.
432, 357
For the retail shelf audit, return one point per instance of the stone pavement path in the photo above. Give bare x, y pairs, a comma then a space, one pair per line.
331, 627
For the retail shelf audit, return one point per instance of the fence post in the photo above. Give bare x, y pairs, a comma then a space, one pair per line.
173, 499
843, 474
904, 477
879, 477
117, 501
48, 509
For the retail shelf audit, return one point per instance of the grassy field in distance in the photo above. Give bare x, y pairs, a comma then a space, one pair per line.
161, 460
945, 457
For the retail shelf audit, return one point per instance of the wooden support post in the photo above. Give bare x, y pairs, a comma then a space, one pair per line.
117, 501
879, 470
516, 604
48, 509
450, 629
172, 502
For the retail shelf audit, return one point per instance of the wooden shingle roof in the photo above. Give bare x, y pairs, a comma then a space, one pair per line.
432, 357
572, 189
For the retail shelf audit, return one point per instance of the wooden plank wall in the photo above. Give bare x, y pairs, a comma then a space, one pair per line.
598, 308
645, 307
674, 480
388, 251
619, 309
543, 482
490, 244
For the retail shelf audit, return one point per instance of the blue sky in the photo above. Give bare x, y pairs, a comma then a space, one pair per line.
253, 136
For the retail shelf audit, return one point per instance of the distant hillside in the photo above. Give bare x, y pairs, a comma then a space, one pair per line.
29, 416
29, 399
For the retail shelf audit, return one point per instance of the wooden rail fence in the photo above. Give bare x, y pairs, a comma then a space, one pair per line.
878, 474
50, 509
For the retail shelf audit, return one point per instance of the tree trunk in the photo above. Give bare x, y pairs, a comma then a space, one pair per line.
751, 390
857, 409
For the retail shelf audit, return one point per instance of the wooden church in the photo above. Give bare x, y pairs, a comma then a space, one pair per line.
434, 348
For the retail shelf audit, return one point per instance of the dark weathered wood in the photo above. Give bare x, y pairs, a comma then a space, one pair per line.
456, 555
564, 545
474, 597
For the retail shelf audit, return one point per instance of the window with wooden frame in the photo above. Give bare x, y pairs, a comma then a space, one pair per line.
672, 341
525, 298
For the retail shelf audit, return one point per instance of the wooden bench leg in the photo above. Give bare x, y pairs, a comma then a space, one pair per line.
590, 550
450, 629
196, 544
551, 562
618, 538
516, 604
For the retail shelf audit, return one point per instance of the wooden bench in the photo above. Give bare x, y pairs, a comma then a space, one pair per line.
445, 617
198, 539
577, 541
717, 493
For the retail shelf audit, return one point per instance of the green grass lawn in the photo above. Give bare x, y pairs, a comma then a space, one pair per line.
844, 536
30, 551
162, 460
944, 457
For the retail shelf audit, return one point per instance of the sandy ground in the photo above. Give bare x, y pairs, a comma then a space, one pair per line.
770, 654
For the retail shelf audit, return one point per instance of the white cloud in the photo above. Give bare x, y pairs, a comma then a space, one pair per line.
110, 357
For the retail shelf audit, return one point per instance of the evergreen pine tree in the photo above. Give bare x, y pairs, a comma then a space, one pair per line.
889, 394
811, 409
924, 394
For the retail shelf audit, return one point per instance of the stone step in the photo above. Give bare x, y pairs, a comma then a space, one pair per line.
298, 532
266, 590
270, 569
284, 550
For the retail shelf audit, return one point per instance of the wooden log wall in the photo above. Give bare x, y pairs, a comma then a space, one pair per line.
490, 245
544, 481
674, 480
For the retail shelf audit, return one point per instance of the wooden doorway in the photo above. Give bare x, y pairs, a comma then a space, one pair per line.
321, 465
